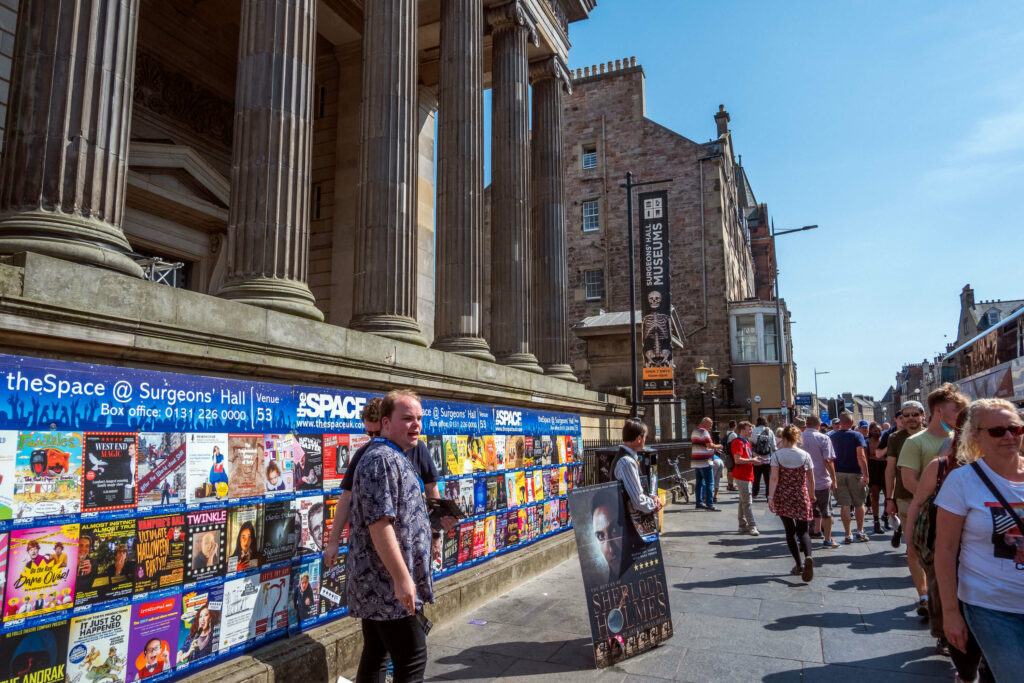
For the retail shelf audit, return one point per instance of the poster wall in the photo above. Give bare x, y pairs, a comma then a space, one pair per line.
623, 576
152, 524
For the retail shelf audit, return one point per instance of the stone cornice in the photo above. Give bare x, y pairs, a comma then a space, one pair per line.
551, 66
513, 15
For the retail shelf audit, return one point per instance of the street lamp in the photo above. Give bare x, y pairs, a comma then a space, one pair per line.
713, 380
816, 373
700, 373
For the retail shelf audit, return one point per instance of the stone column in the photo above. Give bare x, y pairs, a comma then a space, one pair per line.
460, 177
550, 317
62, 184
268, 225
385, 271
510, 187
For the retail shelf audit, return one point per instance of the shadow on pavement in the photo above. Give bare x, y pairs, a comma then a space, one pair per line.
481, 662
907, 666
731, 581
876, 622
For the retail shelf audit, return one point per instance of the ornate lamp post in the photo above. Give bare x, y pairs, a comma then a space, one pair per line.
700, 373
713, 381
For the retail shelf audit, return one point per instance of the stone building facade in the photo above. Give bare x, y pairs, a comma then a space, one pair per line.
722, 256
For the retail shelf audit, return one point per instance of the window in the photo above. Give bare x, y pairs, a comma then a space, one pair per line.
746, 338
589, 157
769, 339
593, 281
591, 216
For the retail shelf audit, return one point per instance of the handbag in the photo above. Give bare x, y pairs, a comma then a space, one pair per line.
999, 496
923, 536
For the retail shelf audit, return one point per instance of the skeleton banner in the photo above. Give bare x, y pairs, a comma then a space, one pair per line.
655, 278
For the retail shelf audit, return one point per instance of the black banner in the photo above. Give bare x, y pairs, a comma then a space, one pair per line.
655, 288
624, 577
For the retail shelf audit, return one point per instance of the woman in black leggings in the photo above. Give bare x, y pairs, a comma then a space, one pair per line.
790, 495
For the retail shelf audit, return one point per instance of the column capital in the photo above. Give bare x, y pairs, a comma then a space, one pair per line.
513, 15
551, 66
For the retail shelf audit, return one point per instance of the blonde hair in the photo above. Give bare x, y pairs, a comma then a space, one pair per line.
791, 433
969, 449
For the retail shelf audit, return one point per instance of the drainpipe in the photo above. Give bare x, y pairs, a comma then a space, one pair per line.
703, 244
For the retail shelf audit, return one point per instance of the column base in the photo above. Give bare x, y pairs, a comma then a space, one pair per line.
471, 347
521, 361
276, 294
560, 371
397, 327
70, 237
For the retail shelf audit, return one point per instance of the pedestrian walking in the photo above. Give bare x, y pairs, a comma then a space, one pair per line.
876, 471
702, 453
882, 452
730, 434
763, 445
819, 447
791, 495
389, 547
977, 522
851, 475
743, 475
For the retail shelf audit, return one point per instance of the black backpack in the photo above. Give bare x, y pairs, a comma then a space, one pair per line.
765, 442
727, 451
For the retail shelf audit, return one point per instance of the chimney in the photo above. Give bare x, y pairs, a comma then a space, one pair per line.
967, 297
722, 120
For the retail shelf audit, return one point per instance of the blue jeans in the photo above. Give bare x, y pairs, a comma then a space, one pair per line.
704, 487
1001, 637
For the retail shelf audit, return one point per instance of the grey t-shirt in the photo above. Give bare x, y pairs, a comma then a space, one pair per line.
792, 458
385, 485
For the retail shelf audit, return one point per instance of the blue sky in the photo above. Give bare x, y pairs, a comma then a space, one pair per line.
898, 127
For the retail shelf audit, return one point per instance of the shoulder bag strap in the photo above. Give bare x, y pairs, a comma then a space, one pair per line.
999, 496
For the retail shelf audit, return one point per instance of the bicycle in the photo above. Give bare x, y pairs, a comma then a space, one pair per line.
684, 486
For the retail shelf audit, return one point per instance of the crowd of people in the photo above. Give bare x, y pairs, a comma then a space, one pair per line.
952, 480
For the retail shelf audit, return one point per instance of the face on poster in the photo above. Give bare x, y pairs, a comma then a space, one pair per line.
35, 655
152, 645
206, 467
40, 576
277, 462
98, 646
106, 561
48, 474
160, 551
308, 457
199, 632
245, 465
278, 531
206, 545
161, 469
8, 454
337, 453
245, 538
109, 463
310, 510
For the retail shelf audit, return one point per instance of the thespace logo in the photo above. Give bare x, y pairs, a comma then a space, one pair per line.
508, 418
332, 406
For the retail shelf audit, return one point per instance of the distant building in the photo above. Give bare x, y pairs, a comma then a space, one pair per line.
978, 316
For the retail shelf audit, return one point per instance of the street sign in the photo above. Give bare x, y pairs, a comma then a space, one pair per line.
655, 265
825, 418
804, 400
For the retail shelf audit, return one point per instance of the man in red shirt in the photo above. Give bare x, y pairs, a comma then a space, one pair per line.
743, 475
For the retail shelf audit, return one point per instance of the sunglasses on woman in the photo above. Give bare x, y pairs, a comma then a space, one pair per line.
999, 432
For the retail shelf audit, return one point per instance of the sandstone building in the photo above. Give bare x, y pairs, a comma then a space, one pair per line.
722, 256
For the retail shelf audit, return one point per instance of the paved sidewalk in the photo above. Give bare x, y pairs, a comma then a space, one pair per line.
738, 615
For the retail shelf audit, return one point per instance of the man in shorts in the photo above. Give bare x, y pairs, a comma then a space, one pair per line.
851, 466
897, 498
823, 457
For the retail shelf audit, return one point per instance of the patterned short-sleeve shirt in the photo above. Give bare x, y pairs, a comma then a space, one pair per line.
385, 485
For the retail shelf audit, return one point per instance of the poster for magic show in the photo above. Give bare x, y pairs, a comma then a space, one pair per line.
623, 576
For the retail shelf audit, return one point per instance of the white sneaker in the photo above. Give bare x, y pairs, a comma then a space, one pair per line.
755, 532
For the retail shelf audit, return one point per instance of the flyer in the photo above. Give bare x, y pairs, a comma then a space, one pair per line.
490, 451
512, 495
479, 539
35, 655
538, 484
330, 510
153, 643
206, 544
500, 531
238, 611
489, 530
98, 646
40, 576
109, 463
245, 538
522, 497
435, 446
499, 450
106, 566
515, 452
333, 586
206, 467
270, 612
306, 593
562, 450
532, 446
450, 549
278, 531
336, 458
8, 454
511, 528
245, 465
277, 463
466, 495
199, 631
161, 469
462, 446
546, 451
309, 516
48, 474
465, 542
479, 495
161, 552
308, 456
453, 462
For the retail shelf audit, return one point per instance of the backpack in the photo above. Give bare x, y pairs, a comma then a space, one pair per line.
765, 442
727, 451
923, 534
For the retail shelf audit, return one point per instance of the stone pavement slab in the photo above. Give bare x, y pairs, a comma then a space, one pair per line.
738, 614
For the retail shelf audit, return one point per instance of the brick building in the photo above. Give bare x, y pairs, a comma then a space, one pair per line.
722, 256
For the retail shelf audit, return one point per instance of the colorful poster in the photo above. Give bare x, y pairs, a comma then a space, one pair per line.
452, 460
109, 463
245, 538
462, 446
270, 613
530, 492
522, 497
479, 495
466, 495
8, 454
153, 643
511, 528
330, 510
333, 586
161, 469
245, 465
499, 450
48, 474
336, 458
309, 462
450, 549
491, 501
306, 592
106, 565
238, 611
435, 446
489, 531
277, 463
278, 531
206, 467
161, 552
35, 655
309, 516
500, 530
511, 494
624, 577
538, 484
490, 452
515, 452
199, 631
479, 539
563, 450
206, 545
98, 646
40, 576
465, 542
547, 451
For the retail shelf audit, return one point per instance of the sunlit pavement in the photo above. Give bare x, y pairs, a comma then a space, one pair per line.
738, 614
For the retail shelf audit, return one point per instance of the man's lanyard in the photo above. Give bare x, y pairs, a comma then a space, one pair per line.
393, 445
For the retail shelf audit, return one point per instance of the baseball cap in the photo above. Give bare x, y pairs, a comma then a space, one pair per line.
862, 423
916, 405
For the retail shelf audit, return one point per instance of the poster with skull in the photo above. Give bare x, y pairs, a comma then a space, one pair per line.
655, 279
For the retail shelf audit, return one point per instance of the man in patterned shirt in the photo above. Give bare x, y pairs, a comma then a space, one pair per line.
389, 547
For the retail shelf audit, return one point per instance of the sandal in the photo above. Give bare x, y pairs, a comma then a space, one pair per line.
808, 572
796, 571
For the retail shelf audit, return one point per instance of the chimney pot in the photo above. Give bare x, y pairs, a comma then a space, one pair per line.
602, 68
632, 61
586, 70
618, 64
